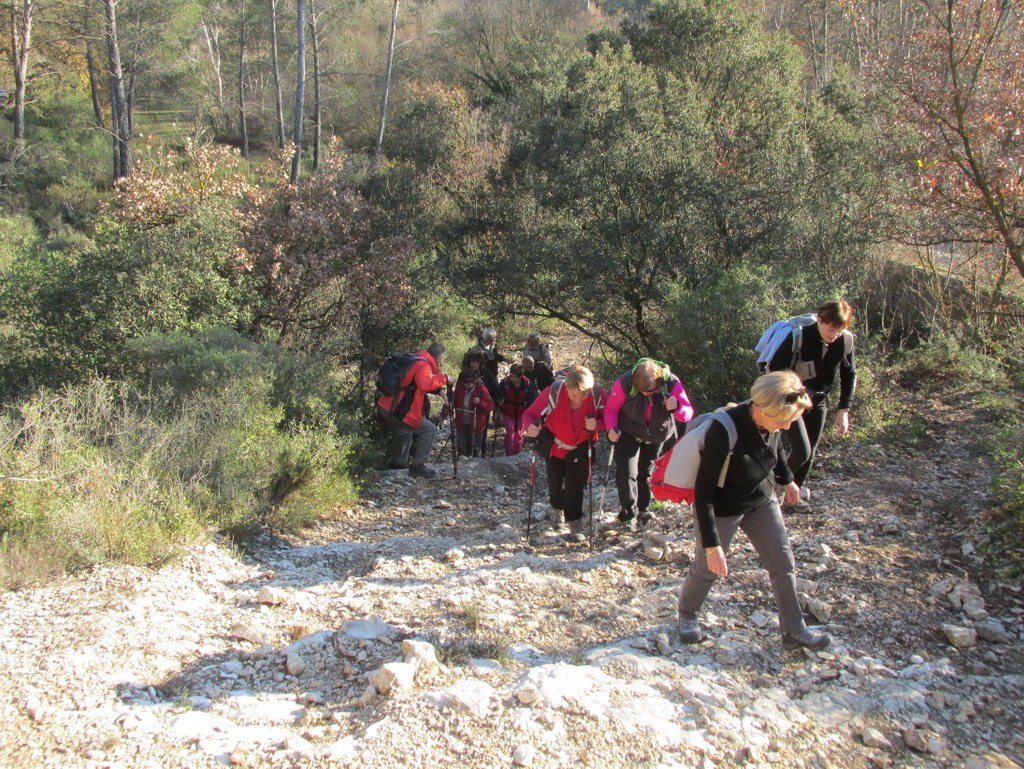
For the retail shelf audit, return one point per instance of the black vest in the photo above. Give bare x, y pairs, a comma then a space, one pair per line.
631, 415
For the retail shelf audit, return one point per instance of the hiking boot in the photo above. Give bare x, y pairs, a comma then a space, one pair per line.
643, 518
422, 471
806, 639
394, 464
557, 518
801, 507
690, 632
577, 532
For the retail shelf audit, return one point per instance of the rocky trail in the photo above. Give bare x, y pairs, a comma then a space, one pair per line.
421, 630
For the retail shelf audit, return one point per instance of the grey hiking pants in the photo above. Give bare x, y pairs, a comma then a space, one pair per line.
766, 531
402, 435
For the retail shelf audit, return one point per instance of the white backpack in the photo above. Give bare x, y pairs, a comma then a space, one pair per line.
793, 329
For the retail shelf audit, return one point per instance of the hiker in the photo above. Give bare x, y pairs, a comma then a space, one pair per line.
746, 500
567, 416
643, 408
424, 376
487, 346
473, 406
540, 353
517, 392
475, 360
824, 353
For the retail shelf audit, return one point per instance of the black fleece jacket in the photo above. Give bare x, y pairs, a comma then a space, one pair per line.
756, 461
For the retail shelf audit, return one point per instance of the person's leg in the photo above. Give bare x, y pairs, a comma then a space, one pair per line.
645, 466
401, 438
627, 450
700, 578
577, 473
509, 424
556, 470
463, 437
766, 531
804, 435
426, 433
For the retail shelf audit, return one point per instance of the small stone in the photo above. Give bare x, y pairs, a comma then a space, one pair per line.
454, 555
271, 596
960, 637
524, 755
875, 739
294, 664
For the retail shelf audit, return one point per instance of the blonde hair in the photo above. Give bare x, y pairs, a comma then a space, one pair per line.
580, 378
773, 392
648, 376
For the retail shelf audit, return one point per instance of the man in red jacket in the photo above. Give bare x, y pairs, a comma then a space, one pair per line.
424, 376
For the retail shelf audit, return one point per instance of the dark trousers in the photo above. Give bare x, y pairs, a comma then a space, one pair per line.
634, 463
567, 481
464, 438
803, 437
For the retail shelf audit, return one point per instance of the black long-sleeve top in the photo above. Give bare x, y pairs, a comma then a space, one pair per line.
826, 360
757, 460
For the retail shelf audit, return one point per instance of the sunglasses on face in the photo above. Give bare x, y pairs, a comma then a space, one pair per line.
794, 396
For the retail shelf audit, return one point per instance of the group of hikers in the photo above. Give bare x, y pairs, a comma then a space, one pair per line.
644, 413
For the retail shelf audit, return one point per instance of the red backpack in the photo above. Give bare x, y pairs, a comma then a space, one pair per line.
675, 471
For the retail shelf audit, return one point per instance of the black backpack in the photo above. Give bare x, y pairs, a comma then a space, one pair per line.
390, 376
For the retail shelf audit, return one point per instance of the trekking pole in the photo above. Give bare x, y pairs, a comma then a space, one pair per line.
494, 442
607, 477
472, 434
451, 430
590, 482
532, 483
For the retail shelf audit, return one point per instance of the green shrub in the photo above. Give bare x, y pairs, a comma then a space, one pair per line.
711, 329
945, 363
103, 472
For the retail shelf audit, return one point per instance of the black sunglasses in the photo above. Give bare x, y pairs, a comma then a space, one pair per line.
794, 396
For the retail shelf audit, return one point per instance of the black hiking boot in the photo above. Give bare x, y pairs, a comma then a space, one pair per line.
422, 471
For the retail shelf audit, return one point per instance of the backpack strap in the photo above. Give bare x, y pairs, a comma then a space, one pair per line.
727, 422
556, 388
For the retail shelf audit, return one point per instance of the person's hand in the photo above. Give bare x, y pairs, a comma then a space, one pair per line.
716, 561
590, 424
843, 422
791, 494
533, 430
671, 404
613, 434
476, 401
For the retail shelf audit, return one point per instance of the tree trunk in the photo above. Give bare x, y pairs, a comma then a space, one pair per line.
387, 87
317, 98
243, 126
300, 87
279, 102
94, 84
213, 51
21, 39
118, 108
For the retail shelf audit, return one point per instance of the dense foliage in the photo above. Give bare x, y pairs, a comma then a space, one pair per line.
192, 347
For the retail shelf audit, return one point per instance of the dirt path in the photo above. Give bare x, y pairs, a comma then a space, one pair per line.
548, 656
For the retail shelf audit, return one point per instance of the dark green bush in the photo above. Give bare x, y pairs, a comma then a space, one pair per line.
711, 330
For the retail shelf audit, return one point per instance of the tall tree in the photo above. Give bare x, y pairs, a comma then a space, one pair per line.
20, 29
276, 71
388, 68
243, 125
300, 87
118, 106
318, 104
955, 85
